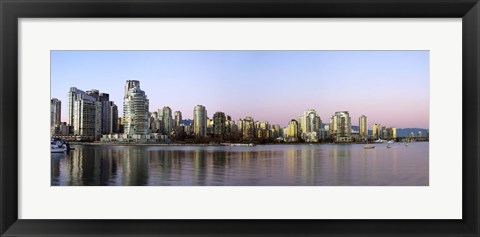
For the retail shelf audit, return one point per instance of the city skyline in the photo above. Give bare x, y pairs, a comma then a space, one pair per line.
305, 80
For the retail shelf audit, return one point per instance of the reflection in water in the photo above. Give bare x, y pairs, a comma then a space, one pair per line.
269, 165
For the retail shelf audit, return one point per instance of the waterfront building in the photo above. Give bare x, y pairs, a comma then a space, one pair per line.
120, 125
248, 128
113, 118
277, 131
167, 120
420, 134
55, 112
376, 130
178, 118
332, 128
135, 109
106, 113
75, 94
383, 133
85, 114
159, 122
343, 127
240, 126
209, 126
219, 122
363, 126
230, 126
131, 84
200, 121
309, 122
394, 133
153, 122
292, 131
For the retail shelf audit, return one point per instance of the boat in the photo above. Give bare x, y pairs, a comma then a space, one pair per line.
57, 146
378, 141
391, 141
368, 147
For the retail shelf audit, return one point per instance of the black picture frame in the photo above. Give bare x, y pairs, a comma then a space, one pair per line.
11, 11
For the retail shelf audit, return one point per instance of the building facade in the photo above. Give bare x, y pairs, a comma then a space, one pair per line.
376, 130
135, 110
178, 118
343, 127
219, 124
363, 126
200, 121
167, 120
55, 112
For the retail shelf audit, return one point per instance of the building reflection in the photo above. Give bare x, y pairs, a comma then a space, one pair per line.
286, 165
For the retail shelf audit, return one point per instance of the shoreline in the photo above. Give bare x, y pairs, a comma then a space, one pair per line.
183, 144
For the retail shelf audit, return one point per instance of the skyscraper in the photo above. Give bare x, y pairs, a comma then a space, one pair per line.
363, 126
344, 126
85, 117
131, 84
178, 118
248, 128
376, 130
113, 118
200, 121
219, 124
84, 112
73, 95
311, 122
55, 112
106, 119
292, 131
135, 109
167, 120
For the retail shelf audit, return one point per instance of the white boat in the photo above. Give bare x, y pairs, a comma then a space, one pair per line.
378, 141
391, 141
368, 147
57, 147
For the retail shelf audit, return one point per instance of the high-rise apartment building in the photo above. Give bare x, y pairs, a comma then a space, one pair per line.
135, 109
344, 126
200, 121
73, 95
178, 118
363, 126
376, 130
85, 117
248, 130
292, 131
55, 112
219, 122
113, 118
167, 120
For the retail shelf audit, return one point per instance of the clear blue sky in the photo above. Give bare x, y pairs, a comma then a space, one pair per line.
389, 87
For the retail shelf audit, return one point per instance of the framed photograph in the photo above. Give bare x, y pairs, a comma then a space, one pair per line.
239, 118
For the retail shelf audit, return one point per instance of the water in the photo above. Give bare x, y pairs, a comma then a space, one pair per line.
262, 165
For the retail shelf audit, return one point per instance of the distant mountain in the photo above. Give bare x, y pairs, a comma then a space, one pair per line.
405, 132
401, 132
187, 122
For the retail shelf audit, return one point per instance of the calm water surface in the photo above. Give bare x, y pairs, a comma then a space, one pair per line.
268, 165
